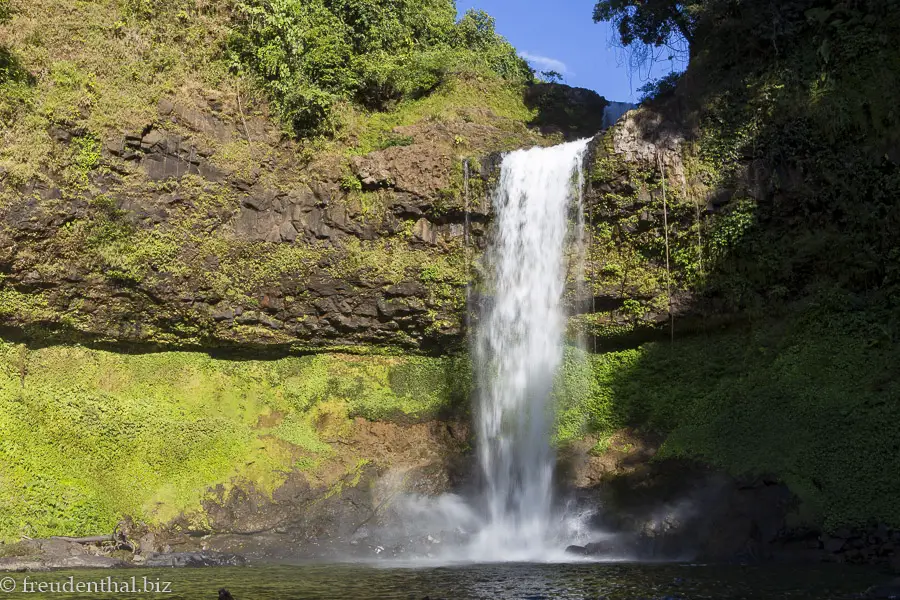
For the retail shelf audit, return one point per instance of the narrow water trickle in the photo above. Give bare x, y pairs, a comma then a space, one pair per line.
518, 348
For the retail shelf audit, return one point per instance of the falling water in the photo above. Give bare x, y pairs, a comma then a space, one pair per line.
537, 240
518, 349
466, 228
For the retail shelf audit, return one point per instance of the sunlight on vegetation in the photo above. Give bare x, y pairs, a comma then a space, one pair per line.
312, 55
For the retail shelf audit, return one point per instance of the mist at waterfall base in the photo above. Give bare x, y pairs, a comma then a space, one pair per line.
517, 349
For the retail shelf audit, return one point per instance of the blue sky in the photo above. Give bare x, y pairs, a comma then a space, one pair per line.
561, 35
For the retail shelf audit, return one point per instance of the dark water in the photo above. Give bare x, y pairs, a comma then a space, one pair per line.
568, 581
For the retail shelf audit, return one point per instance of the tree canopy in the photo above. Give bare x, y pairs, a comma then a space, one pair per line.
651, 22
312, 54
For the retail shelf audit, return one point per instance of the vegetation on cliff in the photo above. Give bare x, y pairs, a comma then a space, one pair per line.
147, 182
779, 217
90, 437
311, 56
99, 68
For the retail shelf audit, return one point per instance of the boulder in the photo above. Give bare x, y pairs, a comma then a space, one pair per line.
577, 551
195, 559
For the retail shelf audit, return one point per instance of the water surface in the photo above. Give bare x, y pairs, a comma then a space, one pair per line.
621, 581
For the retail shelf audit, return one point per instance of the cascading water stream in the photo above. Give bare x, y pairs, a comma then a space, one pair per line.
537, 241
518, 349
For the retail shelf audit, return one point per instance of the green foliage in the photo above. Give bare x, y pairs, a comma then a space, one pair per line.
652, 22
15, 81
452, 101
84, 157
812, 401
627, 254
797, 155
87, 437
727, 231
659, 87
351, 183
815, 118
796, 146
311, 56
551, 76
475, 33
76, 65
394, 140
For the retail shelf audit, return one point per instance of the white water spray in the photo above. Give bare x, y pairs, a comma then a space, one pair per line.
518, 349
538, 237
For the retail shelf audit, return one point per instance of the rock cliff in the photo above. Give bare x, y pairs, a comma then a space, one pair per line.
741, 278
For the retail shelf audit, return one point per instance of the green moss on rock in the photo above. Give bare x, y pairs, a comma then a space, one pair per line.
88, 437
811, 400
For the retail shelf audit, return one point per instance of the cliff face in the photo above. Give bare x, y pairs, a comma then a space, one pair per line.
742, 220
165, 242
741, 267
174, 211
152, 204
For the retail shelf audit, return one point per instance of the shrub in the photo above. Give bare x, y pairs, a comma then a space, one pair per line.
659, 87
311, 55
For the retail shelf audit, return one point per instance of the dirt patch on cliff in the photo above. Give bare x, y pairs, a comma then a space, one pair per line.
589, 461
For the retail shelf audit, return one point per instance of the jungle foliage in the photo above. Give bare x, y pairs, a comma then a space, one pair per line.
792, 104
311, 56
791, 111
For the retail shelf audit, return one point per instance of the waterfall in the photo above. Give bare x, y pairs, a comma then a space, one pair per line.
518, 348
536, 242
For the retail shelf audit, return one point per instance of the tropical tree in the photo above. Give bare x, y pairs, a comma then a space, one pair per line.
650, 22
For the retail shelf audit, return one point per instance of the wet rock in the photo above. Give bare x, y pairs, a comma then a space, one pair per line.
577, 551
833, 544
397, 307
160, 167
165, 107
311, 209
894, 563
155, 138
195, 559
573, 112
116, 146
59, 134
225, 314
424, 232
679, 510
48, 563
405, 289
287, 232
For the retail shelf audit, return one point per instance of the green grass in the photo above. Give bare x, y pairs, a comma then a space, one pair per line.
479, 100
87, 437
99, 67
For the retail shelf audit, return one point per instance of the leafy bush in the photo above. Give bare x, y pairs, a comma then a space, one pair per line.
313, 55
659, 87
